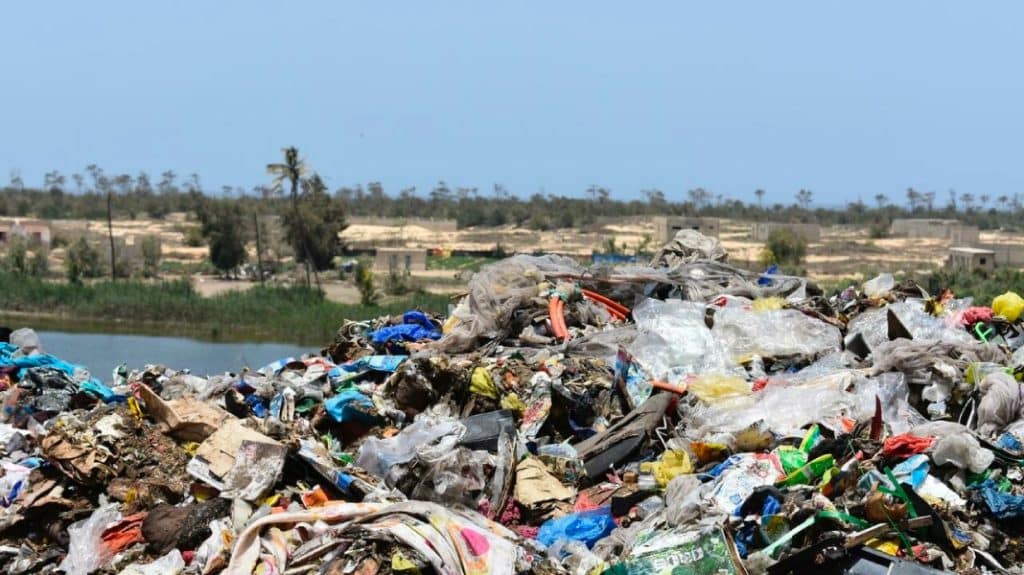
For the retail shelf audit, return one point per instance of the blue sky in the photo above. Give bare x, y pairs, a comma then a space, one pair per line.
846, 99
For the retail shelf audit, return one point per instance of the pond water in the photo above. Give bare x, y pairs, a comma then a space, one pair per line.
100, 353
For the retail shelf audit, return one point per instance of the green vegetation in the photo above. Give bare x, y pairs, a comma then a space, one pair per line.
315, 218
784, 248
138, 194
150, 256
982, 285
460, 263
260, 313
82, 261
368, 295
20, 262
224, 232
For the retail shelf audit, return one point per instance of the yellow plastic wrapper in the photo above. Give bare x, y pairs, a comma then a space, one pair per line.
1009, 305
481, 383
513, 403
402, 564
449, 324
767, 303
713, 388
673, 463
887, 546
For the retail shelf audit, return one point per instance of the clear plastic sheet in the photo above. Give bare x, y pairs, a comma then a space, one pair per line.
873, 324
674, 342
456, 477
773, 333
428, 437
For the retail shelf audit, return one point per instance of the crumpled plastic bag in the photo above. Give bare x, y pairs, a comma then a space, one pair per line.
956, 445
86, 552
1009, 305
879, 285
689, 246
683, 500
495, 293
586, 526
1001, 404
380, 456
170, 564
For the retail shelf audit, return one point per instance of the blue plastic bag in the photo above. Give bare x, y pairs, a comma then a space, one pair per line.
350, 405
415, 326
1002, 505
589, 527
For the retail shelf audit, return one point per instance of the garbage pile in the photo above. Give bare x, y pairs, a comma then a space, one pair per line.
683, 417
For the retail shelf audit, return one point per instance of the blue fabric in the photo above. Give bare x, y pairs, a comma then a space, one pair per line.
387, 363
28, 361
588, 527
350, 405
772, 506
415, 326
1002, 505
766, 281
93, 386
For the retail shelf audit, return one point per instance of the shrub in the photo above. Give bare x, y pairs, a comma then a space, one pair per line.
82, 261
150, 256
786, 247
364, 283
16, 261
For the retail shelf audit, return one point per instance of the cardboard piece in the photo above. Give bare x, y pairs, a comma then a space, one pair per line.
185, 419
216, 456
534, 484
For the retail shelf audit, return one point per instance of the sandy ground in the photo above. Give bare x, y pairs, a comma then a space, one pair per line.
844, 251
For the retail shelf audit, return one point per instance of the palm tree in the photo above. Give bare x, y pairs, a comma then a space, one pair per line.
968, 200
760, 197
929, 200
804, 198
913, 198
292, 170
882, 199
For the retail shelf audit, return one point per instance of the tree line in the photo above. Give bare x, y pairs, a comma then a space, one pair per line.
82, 195
311, 217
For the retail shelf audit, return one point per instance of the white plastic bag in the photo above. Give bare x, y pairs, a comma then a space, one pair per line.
86, 551
1001, 404
170, 564
879, 285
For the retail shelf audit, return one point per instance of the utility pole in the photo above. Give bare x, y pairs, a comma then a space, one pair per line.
110, 234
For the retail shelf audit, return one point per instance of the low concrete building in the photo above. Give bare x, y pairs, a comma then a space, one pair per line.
965, 258
34, 231
1007, 255
400, 260
811, 233
667, 226
935, 228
